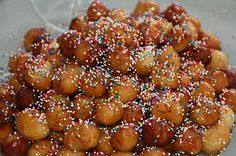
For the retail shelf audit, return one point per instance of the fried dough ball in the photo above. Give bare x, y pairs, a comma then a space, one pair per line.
109, 111
96, 10
84, 107
56, 137
158, 151
124, 139
192, 30
226, 116
170, 58
5, 130
164, 77
218, 80
119, 60
210, 39
58, 117
104, 144
184, 100
185, 79
66, 79
39, 74
121, 154
41, 148
52, 54
194, 69
193, 19
146, 6
34, 40
174, 12
188, 141
6, 94
218, 60
203, 89
229, 98
157, 132
124, 88
79, 23
68, 152
32, 124
14, 83
82, 136
144, 60
168, 107
94, 82
216, 139
25, 98
6, 112
133, 114
231, 76
15, 145
204, 112
118, 14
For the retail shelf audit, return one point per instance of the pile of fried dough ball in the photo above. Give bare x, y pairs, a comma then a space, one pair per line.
149, 83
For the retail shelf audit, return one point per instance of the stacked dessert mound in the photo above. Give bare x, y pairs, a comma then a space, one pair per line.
149, 83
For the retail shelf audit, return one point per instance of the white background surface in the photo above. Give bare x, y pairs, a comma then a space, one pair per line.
17, 16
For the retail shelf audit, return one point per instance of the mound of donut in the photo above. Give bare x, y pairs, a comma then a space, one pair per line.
149, 83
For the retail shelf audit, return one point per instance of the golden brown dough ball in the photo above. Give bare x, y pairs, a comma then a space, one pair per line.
34, 40
32, 124
164, 77
97, 10
42, 148
56, 137
184, 100
158, 151
146, 6
125, 88
121, 154
216, 139
5, 130
58, 117
201, 89
194, 69
51, 53
25, 98
174, 12
82, 136
39, 74
133, 114
210, 39
94, 82
109, 111
229, 98
124, 139
6, 112
157, 132
184, 79
218, 79
118, 14
15, 145
231, 76
170, 58
6, 94
188, 141
66, 79
79, 23
226, 116
193, 19
119, 60
218, 61
204, 112
68, 152
104, 144
14, 83
192, 30
168, 107
144, 60
84, 107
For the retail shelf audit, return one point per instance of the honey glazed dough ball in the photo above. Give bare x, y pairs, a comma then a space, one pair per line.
216, 139
56, 137
156, 132
192, 19
94, 82
66, 79
68, 152
109, 111
146, 6
6, 112
124, 138
118, 14
14, 83
133, 114
6, 94
6, 129
210, 39
97, 10
231, 76
194, 69
158, 151
43, 147
15, 145
227, 116
34, 39
228, 97
39, 74
202, 89
32, 124
218, 61
168, 107
124, 87
82, 137
104, 144
79, 23
84, 107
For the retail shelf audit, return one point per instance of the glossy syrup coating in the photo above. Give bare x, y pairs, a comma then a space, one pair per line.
228, 97
97, 10
133, 114
118, 14
202, 89
6, 94
104, 144
14, 83
210, 39
43, 147
6, 129
6, 112
79, 23
146, 6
